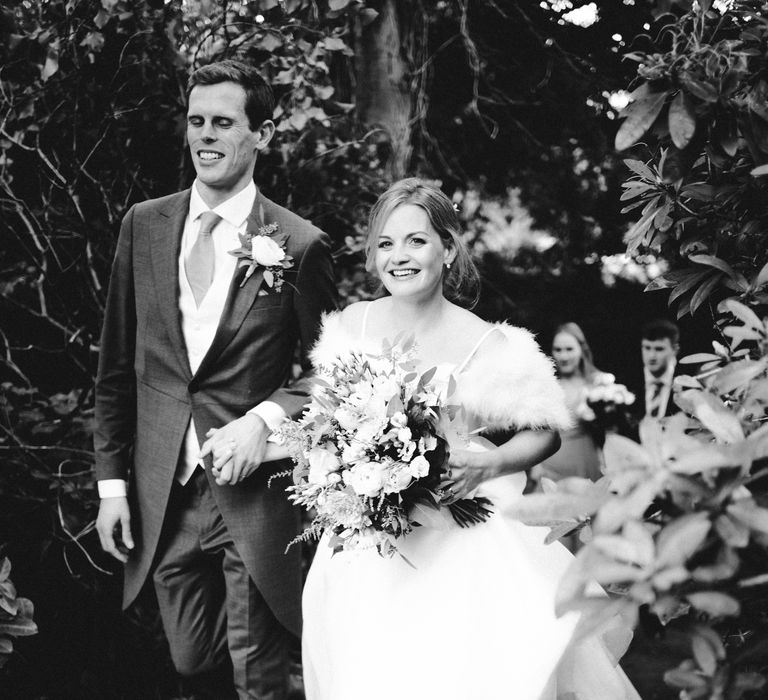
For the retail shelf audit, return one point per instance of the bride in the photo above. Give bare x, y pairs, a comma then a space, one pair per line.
470, 614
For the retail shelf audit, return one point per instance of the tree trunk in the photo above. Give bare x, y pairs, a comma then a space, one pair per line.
383, 94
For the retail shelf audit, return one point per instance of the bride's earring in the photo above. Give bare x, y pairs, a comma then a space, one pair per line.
447, 266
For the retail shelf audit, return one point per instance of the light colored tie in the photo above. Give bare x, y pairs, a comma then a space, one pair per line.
200, 262
654, 406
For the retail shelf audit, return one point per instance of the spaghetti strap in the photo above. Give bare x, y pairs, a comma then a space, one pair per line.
472, 352
365, 322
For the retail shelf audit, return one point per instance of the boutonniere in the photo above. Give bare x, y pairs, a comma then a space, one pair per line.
265, 248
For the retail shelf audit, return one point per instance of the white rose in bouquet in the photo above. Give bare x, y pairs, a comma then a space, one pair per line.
322, 463
366, 478
398, 420
419, 466
398, 478
347, 418
353, 453
404, 435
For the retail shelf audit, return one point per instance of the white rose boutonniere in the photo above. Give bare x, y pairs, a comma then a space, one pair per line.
266, 249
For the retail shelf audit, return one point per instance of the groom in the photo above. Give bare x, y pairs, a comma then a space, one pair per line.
195, 356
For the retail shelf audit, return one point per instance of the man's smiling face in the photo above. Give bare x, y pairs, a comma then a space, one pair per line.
222, 144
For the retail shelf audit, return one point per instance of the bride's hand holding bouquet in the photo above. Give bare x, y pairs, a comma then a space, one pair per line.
371, 452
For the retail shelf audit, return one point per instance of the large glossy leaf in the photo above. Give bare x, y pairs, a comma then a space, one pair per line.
714, 416
681, 538
713, 261
714, 603
688, 282
682, 120
704, 291
762, 276
738, 375
732, 532
742, 312
634, 237
640, 116
699, 357
621, 454
636, 548
616, 512
51, 65
707, 649
704, 91
705, 459
540, 508
746, 511
686, 679
637, 166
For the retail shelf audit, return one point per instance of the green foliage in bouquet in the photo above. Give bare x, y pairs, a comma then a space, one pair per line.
699, 109
15, 613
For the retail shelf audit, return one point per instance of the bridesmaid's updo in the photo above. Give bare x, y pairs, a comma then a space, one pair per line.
461, 283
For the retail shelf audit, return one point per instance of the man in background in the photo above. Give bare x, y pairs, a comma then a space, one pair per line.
659, 346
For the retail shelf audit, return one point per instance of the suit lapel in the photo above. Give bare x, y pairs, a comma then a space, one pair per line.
239, 298
166, 228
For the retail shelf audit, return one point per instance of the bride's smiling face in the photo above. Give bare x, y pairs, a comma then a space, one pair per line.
410, 255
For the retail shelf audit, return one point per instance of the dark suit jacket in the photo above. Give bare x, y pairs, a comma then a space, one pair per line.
637, 409
146, 393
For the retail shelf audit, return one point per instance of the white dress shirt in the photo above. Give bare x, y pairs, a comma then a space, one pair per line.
199, 324
666, 380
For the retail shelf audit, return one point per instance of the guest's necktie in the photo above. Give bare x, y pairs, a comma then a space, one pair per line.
654, 406
200, 262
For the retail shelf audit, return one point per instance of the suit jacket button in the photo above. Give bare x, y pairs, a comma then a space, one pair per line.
193, 387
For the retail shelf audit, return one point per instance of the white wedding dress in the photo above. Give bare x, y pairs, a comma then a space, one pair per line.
470, 614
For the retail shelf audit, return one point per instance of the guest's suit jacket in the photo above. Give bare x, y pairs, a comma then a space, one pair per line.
637, 409
146, 393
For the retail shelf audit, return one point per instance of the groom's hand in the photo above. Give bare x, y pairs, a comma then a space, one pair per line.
113, 524
237, 449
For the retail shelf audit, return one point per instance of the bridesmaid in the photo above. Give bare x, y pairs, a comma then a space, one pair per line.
579, 453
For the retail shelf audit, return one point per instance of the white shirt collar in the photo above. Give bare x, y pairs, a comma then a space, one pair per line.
234, 211
666, 378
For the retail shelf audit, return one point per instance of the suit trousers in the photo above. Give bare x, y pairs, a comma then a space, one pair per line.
209, 604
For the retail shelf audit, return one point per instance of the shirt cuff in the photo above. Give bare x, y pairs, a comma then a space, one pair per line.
112, 488
271, 413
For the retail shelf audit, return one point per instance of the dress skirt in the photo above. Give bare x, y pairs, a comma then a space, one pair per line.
464, 613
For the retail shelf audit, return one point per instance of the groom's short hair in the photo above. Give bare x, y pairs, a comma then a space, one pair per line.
259, 99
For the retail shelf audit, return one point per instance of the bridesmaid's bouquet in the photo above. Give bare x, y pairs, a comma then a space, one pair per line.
605, 404
371, 452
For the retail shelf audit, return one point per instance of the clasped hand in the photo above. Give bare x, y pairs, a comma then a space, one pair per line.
237, 449
467, 470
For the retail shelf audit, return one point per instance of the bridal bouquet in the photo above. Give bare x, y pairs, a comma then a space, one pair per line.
370, 451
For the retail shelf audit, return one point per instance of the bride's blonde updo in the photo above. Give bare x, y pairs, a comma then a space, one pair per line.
461, 282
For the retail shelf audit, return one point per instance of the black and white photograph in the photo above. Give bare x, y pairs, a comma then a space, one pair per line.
383, 350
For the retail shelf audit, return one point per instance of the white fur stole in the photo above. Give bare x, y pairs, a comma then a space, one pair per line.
509, 384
